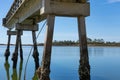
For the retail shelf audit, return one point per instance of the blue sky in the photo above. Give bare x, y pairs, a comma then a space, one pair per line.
103, 22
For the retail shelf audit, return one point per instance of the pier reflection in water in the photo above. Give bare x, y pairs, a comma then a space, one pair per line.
35, 77
65, 63
96, 51
14, 75
20, 69
66, 71
7, 67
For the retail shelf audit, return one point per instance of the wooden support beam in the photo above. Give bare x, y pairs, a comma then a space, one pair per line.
13, 33
7, 52
15, 54
35, 52
81, 1
21, 50
84, 69
7, 69
65, 9
45, 69
34, 40
27, 27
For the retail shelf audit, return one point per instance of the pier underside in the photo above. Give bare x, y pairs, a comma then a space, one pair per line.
26, 13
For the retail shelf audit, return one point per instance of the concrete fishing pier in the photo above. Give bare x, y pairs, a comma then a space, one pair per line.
24, 15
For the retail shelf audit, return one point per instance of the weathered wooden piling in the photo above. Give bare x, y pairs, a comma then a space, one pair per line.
84, 69
9, 33
7, 52
35, 51
33, 28
15, 54
45, 68
21, 50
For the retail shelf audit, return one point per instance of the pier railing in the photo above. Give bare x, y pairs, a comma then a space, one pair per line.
16, 4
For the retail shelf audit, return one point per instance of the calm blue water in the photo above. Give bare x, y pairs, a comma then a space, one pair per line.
104, 62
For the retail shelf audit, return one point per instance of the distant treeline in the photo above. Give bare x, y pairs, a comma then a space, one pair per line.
65, 43
101, 42
91, 42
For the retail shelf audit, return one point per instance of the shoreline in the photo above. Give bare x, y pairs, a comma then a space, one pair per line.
89, 45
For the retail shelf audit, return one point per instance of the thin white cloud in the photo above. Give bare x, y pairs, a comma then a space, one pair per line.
113, 1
